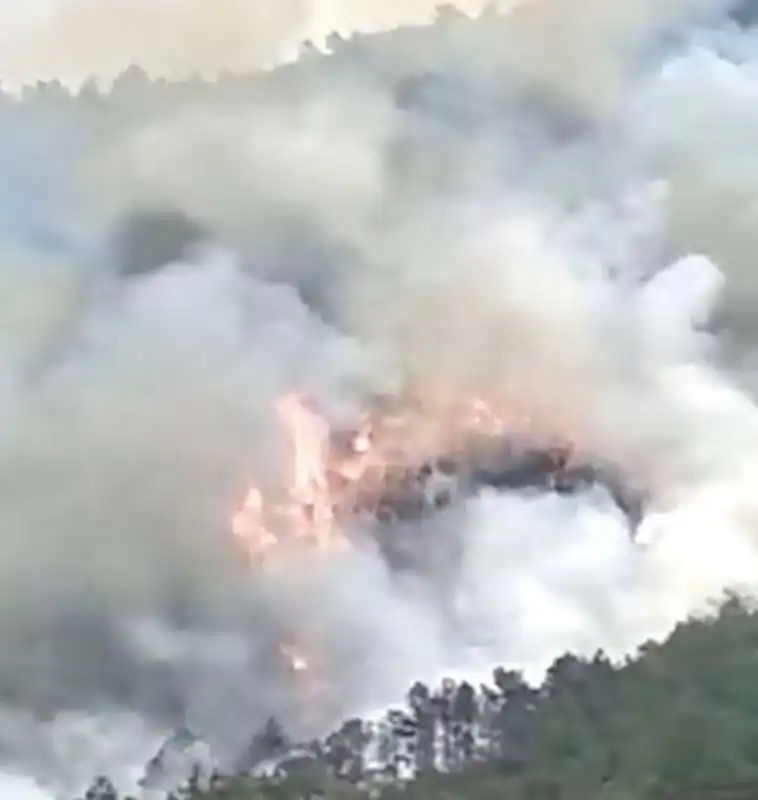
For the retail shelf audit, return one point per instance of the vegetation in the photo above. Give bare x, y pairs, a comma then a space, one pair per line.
680, 720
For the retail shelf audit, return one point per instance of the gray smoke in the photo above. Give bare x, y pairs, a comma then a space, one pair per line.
555, 203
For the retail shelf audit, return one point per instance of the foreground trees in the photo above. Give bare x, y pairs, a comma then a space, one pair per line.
678, 721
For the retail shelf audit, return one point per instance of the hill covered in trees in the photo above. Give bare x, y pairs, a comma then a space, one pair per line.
679, 720
443, 83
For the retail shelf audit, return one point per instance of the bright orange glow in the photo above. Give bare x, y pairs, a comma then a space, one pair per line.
333, 475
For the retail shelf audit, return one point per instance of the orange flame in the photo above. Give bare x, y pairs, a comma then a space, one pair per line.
332, 477
330, 480
309, 490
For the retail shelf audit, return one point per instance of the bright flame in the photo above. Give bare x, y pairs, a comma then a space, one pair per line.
309, 492
330, 481
335, 475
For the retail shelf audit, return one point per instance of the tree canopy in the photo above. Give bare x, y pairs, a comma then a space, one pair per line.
679, 720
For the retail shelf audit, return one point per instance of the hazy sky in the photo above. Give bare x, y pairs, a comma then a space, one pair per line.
15, 12
72, 39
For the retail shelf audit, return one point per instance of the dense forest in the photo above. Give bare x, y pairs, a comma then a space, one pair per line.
679, 720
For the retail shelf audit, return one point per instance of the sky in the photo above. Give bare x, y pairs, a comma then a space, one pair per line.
72, 39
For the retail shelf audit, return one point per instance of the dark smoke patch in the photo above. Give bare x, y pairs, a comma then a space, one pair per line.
421, 495
460, 105
745, 13
146, 240
294, 253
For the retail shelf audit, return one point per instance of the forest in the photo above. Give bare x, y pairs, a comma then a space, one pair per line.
678, 720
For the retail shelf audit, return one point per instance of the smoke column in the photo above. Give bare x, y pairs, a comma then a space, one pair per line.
479, 205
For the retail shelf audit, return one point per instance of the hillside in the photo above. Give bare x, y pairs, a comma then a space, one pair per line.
434, 226
680, 720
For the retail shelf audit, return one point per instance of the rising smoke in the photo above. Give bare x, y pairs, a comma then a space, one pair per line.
556, 204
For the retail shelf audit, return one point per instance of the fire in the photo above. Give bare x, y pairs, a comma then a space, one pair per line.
333, 475
309, 490
248, 526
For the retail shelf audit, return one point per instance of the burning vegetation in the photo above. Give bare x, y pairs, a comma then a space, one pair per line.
404, 464
401, 464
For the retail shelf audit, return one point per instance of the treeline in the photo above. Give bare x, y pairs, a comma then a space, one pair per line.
374, 51
49, 130
679, 720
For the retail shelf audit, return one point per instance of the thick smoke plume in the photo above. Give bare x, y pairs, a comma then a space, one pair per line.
553, 205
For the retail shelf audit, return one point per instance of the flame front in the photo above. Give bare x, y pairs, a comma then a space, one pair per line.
309, 491
333, 476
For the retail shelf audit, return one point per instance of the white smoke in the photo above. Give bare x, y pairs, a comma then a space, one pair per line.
564, 212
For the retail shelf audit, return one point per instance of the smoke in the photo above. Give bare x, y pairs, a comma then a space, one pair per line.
554, 204
72, 40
